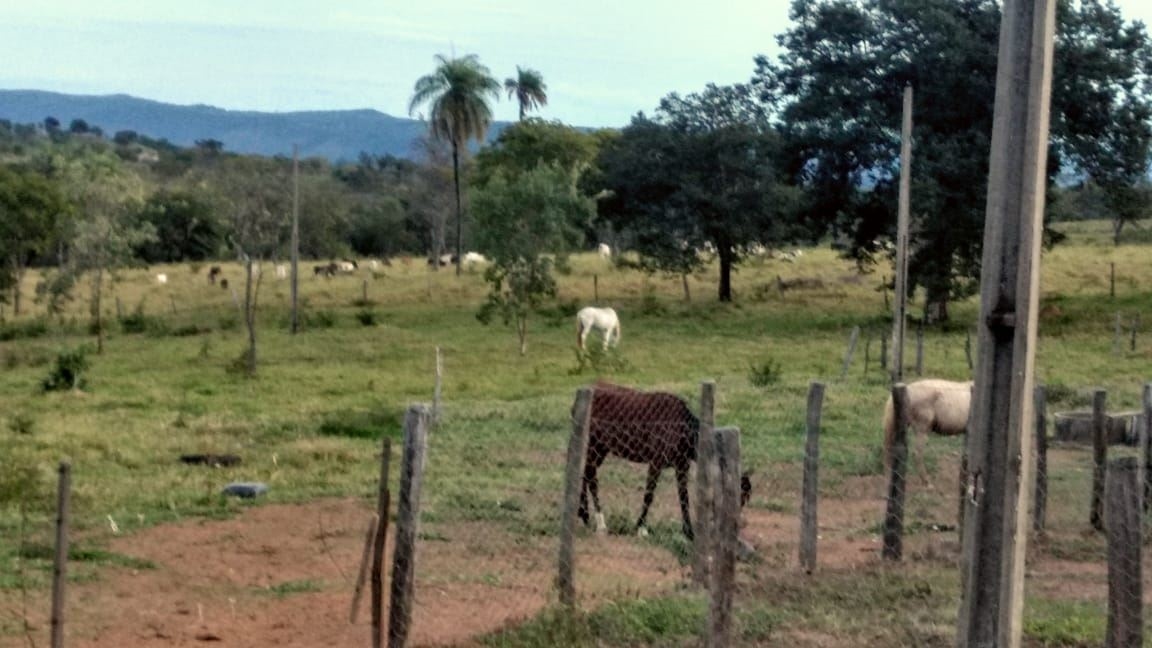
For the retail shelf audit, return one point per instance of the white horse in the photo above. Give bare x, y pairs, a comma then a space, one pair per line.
602, 319
604, 250
934, 405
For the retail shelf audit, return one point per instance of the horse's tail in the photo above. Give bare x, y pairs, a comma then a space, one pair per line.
889, 431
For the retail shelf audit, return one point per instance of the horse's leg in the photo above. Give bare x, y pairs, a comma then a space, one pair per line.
649, 489
592, 483
682, 491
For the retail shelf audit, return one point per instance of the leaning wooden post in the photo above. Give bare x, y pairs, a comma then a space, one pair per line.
1099, 455
1125, 584
379, 539
852, 340
1146, 446
573, 484
810, 489
705, 456
995, 533
366, 560
1040, 497
903, 218
60, 561
407, 523
726, 533
898, 459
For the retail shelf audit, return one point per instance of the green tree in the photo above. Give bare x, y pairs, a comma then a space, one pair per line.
187, 227
528, 88
33, 210
256, 195
457, 96
107, 231
703, 172
520, 220
526, 144
837, 90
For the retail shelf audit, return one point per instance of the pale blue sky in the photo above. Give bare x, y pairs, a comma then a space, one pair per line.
603, 60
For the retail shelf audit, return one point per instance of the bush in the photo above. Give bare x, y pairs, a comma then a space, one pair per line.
367, 317
22, 424
318, 319
19, 330
764, 374
68, 372
138, 322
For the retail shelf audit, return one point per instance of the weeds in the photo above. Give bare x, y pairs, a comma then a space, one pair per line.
68, 372
765, 374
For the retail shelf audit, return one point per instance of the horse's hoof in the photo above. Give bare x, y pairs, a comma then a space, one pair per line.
642, 532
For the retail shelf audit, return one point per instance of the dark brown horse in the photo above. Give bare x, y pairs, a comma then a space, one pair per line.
653, 428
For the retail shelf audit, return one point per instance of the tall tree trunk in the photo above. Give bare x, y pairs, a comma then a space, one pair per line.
249, 318
724, 251
459, 209
97, 318
522, 331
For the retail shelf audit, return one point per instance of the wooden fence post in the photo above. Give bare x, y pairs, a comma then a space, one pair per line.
1112, 280
1040, 496
726, 536
810, 490
407, 523
379, 539
867, 354
172, 300
968, 349
436, 388
573, 483
1135, 327
894, 516
883, 352
60, 561
852, 339
705, 456
1099, 455
595, 289
1125, 585
920, 349
1146, 446
119, 309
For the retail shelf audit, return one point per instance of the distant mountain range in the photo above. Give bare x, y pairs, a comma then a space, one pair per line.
333, 134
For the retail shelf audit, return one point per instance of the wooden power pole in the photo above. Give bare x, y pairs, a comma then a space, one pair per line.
295, 238
999, 446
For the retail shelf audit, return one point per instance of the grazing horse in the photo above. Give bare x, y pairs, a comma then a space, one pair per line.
653, 428
940, 406
602, 319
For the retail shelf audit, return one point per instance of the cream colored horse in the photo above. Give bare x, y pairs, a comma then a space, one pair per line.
603, 319
935, 405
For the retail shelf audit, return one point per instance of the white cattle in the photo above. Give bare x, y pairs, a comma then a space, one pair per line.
604, 250
474, 258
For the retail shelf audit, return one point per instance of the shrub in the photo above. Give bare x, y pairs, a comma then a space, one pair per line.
138, 322
318, 319
18, 330
764, 374
367, 317
21, 423
68, 372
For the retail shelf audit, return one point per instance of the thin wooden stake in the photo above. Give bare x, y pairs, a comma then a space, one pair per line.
810, 490
60, 560
436, 388
362, 573
379, 539
596, 288
867, 353
1135, 326
1040, 497
726, 536
1099, 455
920, 348
1112, 281
852, 340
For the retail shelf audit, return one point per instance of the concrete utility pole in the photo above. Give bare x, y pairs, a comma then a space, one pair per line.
899, 315
1000, 433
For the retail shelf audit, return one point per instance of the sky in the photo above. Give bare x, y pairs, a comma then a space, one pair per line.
603, 60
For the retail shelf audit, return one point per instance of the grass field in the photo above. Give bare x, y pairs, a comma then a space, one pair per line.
309, 425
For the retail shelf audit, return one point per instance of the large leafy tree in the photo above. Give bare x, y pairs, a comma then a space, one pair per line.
528, 88
187, 227
33, 210
457, 95
524, 221
837, 90
703, 172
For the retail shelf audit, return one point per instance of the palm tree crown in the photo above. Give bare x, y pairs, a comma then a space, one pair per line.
529, 89
457, 94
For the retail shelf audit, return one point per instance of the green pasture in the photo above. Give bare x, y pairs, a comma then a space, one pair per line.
309, 423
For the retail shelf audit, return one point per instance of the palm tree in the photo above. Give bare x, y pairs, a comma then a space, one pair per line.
457, 97
529, 89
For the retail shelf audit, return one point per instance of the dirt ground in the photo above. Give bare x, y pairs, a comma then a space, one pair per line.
283, 575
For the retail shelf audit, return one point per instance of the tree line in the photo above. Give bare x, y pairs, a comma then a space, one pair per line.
805, 150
